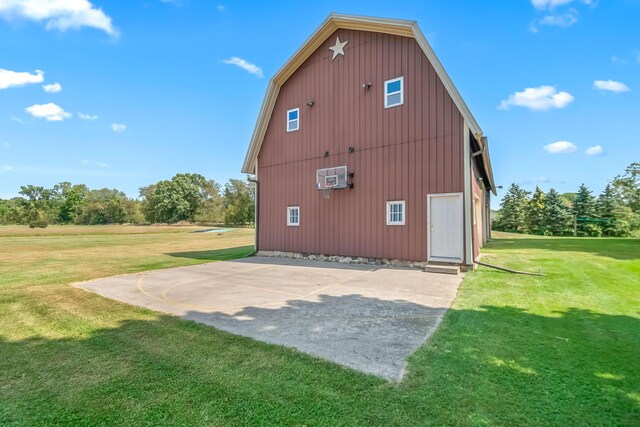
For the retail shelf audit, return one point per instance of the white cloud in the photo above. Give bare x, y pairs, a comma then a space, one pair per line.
51, 112
221, 7
560, 20
52, 88
60, 15
617, 60
17, 120
595, 150
6, 145
539, 98
552, 4
90, 117
611, 86
6, 168
86, 162
10, 78
538, 180
118, 127
247, 66
549, 4
561, 147
565, 17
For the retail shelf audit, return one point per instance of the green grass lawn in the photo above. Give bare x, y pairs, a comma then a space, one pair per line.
562, 349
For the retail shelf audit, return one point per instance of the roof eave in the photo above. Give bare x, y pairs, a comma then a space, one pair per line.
486, 158
261, 127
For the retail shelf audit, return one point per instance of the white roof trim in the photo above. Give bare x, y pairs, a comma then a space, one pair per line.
352, 22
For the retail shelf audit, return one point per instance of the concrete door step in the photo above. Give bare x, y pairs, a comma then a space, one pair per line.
442, 269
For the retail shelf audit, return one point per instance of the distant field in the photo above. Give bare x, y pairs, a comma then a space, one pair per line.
61, 254
514, 350
74, 230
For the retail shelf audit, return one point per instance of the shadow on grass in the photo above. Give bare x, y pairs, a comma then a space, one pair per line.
217, 254
616, 248
497, 365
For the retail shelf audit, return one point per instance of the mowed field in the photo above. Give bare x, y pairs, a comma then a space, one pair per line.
515, 350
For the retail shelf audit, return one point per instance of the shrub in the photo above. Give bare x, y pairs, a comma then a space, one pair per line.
38, 223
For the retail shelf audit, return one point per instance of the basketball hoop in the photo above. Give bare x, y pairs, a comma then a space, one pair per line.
329, 179
326, 191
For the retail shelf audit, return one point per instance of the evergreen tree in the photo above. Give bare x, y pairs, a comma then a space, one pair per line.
557, 215
614, 216
569, 198
536, 211
513, 210
628, 186
585, 214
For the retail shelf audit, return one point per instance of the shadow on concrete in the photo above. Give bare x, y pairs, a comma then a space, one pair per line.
369, 334
496, 365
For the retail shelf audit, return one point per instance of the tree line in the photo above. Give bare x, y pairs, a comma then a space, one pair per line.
615, 212
185, 197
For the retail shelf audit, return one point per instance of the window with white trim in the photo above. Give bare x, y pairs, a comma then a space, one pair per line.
394, 92
293, 216
395, 212
293, 119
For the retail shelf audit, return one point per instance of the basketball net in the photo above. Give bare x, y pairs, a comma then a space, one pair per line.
326, 191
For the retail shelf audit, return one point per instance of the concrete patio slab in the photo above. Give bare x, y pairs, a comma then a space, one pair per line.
366, 317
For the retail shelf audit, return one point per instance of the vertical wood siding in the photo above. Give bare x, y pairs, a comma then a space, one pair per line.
401, 153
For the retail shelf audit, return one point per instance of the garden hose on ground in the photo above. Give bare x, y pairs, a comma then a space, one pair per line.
508, 270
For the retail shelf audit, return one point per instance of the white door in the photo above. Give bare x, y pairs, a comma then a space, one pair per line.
445, 227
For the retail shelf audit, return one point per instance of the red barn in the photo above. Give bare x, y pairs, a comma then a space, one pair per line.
364, 148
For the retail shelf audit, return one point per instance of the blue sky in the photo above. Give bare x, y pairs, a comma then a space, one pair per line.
151, 88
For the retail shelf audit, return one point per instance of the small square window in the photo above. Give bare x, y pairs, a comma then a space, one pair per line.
293, 216
394, 92
395, 212
293, 120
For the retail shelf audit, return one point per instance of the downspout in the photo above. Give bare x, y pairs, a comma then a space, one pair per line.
468, 242
256, 211
486, 214
477, 153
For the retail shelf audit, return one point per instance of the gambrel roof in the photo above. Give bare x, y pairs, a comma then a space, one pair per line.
351, 22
